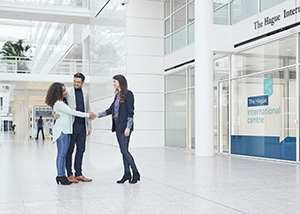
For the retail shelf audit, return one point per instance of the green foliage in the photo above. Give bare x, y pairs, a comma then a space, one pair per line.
5, 88
17, 49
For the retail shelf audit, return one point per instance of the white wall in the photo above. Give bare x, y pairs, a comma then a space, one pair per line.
18, 117
130, 42
180, 56
145, 71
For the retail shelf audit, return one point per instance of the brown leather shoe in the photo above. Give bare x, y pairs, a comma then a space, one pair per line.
72, 179
82, 178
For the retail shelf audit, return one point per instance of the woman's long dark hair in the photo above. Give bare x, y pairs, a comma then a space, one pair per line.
123, 87
54, 93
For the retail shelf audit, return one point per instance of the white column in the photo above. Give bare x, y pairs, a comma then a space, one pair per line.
26, 119
204, 144
22, 120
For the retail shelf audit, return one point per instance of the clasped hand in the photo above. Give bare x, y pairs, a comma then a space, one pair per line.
92, 116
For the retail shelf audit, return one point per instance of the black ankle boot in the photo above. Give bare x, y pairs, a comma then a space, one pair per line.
136, 177
126, 176
63, 180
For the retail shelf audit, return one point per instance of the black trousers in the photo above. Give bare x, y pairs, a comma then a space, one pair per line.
38, 131
127, 157
78, 138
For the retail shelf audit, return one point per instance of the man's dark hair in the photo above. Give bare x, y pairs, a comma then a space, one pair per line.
79, 75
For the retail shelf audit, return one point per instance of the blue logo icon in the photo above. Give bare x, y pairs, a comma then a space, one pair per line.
268, 86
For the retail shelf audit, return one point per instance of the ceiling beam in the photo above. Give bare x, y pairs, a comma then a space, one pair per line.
13, 77
47, 14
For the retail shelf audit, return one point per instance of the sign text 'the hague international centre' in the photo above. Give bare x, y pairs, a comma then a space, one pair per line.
272, 20
258, 101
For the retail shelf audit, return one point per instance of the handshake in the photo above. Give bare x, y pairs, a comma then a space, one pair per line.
92, 116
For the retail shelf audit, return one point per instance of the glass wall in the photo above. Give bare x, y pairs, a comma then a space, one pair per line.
179, 18
238, 10
276, 54
265, 4
257, 103
176, 119
264, 111
179, 24
218, 3
191, 107
221, 15
221, 104
223, 117
242, 9
6, 125
221, 68
216, 122
180, 109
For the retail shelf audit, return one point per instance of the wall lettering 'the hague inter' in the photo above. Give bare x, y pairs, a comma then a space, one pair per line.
273, 19
267, 21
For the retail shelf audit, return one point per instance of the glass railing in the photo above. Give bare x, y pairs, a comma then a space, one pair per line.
15, 65
23, 65
70, 67
218, 3
70, 4
239, 9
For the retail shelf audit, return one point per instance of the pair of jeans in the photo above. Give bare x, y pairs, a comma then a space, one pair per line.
127, 157
78, 137
38, 131
63, 143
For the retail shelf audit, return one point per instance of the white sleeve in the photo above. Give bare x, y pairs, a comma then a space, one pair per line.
89, 124
62, 107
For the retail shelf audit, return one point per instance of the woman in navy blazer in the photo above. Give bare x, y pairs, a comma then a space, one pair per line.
122, 123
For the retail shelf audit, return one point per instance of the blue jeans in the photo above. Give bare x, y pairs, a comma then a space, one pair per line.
127, 157
63, 143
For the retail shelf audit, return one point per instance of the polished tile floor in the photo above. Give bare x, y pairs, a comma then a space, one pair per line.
172, 182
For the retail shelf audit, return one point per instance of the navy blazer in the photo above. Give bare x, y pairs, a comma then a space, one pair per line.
125, 111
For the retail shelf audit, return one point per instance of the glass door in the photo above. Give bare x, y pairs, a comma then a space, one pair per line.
223, 117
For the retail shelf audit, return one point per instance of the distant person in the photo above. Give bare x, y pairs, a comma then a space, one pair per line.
63, 127
122, 123
14, 128
40, 126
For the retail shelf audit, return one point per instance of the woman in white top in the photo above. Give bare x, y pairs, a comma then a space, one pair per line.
63, 126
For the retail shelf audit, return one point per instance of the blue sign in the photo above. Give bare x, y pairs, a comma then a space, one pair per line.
268, 86
258, 101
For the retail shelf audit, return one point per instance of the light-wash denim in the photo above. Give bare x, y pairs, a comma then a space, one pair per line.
63, 143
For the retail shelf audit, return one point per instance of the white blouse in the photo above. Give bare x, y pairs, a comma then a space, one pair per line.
64, 123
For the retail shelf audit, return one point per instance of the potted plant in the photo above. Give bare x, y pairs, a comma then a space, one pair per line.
15, 50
